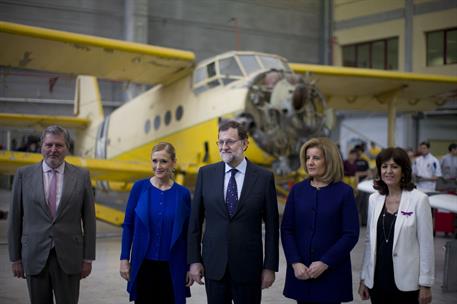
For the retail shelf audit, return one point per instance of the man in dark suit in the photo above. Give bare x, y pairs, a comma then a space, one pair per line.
234, 197
51, 224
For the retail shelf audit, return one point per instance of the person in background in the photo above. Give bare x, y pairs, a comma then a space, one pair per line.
411, 154
449, 163
350, 166
319, 229
51, 223
398, 262
426, 168
374, 150
363, 167
449, 169
363, 172
153, 254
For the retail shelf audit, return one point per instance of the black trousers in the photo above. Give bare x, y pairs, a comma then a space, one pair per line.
154, 284
397, 296
301, 302
225, 290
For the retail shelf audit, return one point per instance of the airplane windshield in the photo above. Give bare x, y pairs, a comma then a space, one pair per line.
227, 69
273, 63
229, 66
199, 74
249, 63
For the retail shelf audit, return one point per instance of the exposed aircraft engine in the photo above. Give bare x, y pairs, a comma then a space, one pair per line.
284, 110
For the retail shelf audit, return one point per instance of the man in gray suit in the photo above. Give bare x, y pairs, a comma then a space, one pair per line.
51, 224
234, 197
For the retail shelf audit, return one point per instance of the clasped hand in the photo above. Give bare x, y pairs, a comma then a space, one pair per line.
314, 270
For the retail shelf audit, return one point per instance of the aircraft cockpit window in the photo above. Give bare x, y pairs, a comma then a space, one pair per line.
273, 63
199, 74
211, 69
229, 67
249, 63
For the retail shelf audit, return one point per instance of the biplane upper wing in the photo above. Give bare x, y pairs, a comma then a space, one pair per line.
63, 52
370, 90
100, 169
41, 121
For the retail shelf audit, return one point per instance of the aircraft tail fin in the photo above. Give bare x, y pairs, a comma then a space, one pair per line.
88, 104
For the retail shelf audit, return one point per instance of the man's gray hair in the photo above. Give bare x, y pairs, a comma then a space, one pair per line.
57, 130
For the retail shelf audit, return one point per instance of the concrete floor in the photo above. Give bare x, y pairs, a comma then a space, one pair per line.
105, 286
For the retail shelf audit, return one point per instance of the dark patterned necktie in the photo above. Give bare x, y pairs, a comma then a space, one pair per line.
231, 199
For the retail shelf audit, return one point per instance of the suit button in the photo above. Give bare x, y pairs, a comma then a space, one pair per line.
395, 254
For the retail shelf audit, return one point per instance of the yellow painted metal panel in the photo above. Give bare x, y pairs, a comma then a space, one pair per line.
369, 89
112, 170
109, 215
41, 121
190, 148
57, 51
348, 9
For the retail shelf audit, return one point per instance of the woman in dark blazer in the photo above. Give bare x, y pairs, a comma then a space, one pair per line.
319, 228
154, 244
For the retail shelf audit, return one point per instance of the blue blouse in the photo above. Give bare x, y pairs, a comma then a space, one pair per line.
161, 216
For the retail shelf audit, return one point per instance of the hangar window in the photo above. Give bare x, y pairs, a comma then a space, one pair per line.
379, 54
442, 47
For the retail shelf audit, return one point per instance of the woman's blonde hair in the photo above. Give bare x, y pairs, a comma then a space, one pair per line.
333, 163
167, 147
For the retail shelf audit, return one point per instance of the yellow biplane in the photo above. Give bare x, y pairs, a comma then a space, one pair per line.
281, 104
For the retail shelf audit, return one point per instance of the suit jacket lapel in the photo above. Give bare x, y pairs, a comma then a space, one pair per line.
37, 179
405, 203
249, 181
69, 184
219, 179
377, 212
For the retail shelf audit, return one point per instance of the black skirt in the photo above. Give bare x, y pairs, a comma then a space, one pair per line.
154, 284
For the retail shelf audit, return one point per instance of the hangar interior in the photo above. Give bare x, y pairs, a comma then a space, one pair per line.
410, 36
305, 31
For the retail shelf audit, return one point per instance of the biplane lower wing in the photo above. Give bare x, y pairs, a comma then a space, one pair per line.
100, 169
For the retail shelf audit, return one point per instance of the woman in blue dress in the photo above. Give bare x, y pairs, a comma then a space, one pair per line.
153, 254
320, 226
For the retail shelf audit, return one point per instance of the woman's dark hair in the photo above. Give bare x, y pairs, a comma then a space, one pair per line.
400, 157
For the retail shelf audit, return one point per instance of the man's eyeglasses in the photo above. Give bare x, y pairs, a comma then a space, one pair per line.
228, 142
